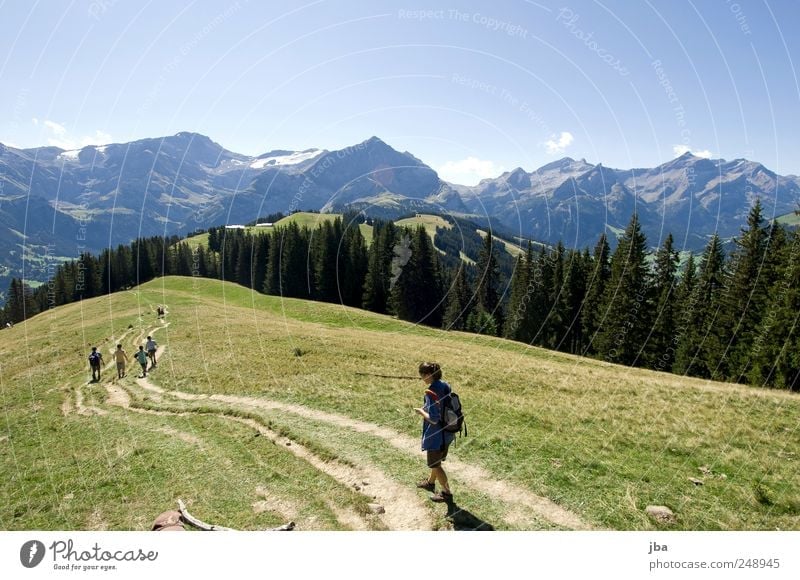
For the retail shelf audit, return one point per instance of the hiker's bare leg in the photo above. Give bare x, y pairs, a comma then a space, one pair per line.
438, 474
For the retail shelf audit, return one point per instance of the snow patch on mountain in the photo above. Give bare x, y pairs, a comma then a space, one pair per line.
289, 158
70, 155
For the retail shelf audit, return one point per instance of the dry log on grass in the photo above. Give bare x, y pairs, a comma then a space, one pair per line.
201, 525
388, 376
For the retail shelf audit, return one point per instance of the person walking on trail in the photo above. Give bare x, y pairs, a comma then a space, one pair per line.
121, 357
151, 347
95, 363
435, 440
141, 356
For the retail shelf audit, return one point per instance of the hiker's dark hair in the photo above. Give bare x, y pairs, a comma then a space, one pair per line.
430, 368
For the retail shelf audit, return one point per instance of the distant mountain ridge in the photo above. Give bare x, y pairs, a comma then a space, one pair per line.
56, 203
690, 197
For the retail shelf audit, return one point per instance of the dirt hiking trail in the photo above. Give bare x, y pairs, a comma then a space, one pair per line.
404, 508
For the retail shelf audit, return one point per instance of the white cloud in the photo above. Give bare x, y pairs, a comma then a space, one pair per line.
59, 137
560, 145
681, 149
100, 138
57, 129
469, 171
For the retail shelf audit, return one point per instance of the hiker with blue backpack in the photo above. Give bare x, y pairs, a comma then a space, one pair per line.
95, 363
442, 419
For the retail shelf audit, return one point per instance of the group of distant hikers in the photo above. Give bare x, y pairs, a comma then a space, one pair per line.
143, 355
442, 416
146, 352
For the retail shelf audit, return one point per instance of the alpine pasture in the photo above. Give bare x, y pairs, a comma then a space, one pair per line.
264, 410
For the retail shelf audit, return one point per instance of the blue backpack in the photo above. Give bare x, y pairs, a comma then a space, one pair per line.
452, 414
94, 359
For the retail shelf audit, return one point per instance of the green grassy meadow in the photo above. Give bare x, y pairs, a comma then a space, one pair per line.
791, 219
512, 249
600, 440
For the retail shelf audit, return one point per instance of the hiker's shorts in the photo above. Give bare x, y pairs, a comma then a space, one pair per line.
436, 456
120, 366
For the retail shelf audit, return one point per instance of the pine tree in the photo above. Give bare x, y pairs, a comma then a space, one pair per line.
325, 246
62, 294
231, 243
625, 300
699, 349
143, 263
214, 239
106, 279
89, 284
458, 302
555, 322
15, 310
417, 295
260, 257
776, 348
597, 279
244, 262
377, 284
486, 294
294, 271
481, 322
660, 352
184, 259
272, 283
122, 268
353, 266
685, 305
745, 298
572, 296
518, 301
541, 280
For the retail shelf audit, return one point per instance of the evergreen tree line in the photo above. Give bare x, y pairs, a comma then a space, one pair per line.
728, 318
721, 317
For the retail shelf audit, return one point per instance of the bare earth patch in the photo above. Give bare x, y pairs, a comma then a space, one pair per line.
274, 504
117, 396
66, 405
404, 511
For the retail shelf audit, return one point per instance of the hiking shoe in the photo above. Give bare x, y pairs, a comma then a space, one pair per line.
442, 497
426, 485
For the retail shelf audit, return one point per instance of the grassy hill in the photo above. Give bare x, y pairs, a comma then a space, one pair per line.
264, 410
791, 219
314, 220
301, 218
515, 251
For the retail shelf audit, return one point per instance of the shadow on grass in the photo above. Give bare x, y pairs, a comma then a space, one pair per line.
465, 521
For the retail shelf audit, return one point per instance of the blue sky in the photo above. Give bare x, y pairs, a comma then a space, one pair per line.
470, 88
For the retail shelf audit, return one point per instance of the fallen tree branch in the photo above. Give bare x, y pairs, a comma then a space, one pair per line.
388, 376
288, 527
201, 525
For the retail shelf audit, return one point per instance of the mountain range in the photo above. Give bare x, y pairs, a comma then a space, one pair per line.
56, 203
